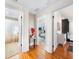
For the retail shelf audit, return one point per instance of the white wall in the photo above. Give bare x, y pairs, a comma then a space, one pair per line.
11, 27
37, 35
32, 22
71, 29
55, 31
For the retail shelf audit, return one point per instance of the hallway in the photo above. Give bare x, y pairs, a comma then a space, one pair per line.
37, 29
37, 53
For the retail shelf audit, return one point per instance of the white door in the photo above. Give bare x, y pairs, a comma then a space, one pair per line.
24, 33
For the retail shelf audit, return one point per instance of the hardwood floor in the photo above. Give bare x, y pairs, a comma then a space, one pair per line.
39, 53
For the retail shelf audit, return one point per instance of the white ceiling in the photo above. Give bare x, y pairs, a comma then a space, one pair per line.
33, 4
41, 6
67, 12
36, 6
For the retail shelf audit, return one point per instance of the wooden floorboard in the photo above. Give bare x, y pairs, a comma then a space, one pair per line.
38, 53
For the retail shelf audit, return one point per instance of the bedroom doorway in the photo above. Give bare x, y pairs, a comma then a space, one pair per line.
12, 46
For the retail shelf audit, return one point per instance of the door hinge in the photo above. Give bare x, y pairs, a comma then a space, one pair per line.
21, 44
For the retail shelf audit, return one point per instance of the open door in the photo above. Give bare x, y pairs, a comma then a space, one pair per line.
12, 46
24, 31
